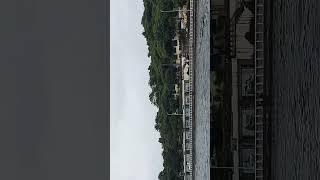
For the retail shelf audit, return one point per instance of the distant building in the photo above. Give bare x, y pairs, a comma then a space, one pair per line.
185, 69
187, 120
176, 91
183, 17
177, 47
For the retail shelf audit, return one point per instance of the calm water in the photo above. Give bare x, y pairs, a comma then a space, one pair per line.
296, 90
202, 95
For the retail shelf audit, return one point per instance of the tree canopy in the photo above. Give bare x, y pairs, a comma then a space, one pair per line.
159, 30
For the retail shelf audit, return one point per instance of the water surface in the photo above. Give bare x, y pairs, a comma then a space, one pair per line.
296, 90
202, 94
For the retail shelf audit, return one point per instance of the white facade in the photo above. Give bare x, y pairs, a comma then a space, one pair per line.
187, 121
185, 68
183, 16
177, 49
176, 91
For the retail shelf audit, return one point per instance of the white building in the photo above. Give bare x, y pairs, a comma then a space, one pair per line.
177, 47
187, 120
183, 16
176, 91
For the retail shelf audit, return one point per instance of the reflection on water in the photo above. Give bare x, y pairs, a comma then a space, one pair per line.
296, 72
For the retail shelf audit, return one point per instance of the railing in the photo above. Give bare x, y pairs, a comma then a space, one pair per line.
190, 84
259, 83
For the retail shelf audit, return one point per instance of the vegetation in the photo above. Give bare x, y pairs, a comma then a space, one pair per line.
159, 30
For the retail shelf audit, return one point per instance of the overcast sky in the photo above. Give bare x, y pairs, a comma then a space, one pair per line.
135, 150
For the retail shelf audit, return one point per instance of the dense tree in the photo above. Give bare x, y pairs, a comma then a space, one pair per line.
159, 30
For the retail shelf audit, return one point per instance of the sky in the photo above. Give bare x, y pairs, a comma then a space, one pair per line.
135, 152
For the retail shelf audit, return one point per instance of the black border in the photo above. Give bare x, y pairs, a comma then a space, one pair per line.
20, 18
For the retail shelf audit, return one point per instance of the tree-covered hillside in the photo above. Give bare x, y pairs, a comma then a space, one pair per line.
159, 30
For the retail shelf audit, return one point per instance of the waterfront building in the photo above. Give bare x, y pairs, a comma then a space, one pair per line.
183, 17
241, 47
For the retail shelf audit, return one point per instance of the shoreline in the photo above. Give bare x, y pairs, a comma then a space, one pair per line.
194, 87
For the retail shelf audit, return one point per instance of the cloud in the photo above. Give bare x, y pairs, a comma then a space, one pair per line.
135, 150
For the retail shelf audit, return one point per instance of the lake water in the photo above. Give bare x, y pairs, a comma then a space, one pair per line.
296, 90
202, 92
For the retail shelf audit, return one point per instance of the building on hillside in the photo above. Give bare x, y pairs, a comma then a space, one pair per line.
187, 119
177, 47
183, 17
176, 91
